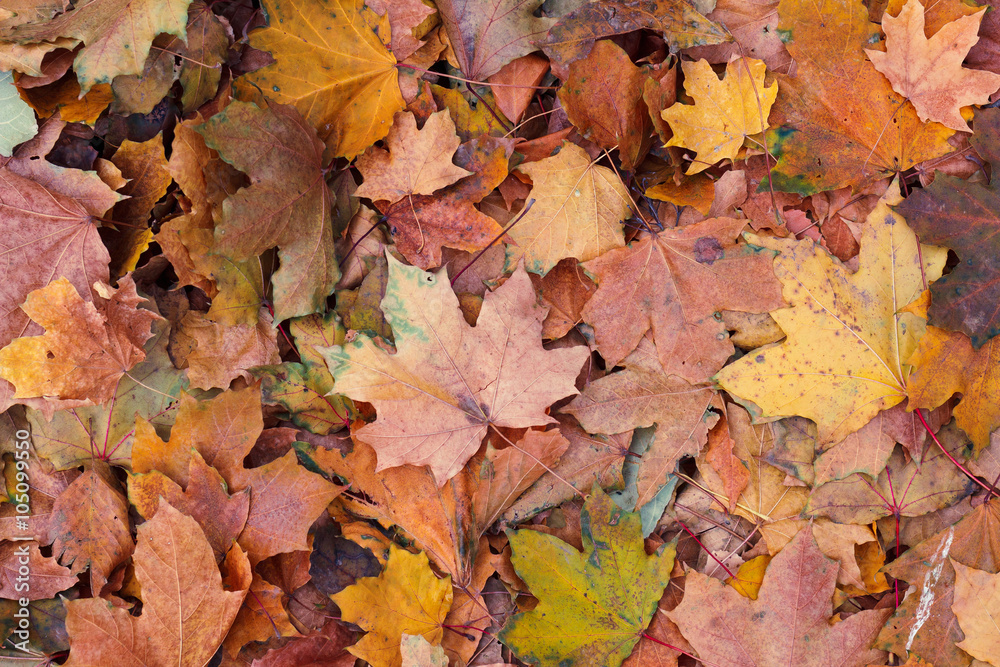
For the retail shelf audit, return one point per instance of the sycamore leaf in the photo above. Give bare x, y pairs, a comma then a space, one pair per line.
724, 113
788, 623
488, 34
964, 217
186, 610
449, 382
674, 284
929, 72
405, 599
86, 348
977, 606
848, 340
946, 363
116, 34
417, 162
593, 606
679, 21
18, 122
578, 210
837, 121
342, 79
287, 205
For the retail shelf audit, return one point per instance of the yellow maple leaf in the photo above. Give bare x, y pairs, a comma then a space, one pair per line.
946, 363
724, 112
847, 341
342, 79
929, 72
578, 210
405, 599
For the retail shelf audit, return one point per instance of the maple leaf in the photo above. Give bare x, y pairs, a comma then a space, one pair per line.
49, 577
221, 516
946, 363
89, 526
673, 283
448, 382
76, 436
594, 605
848, 340
724, 113
405, 17
640, 395
186, 610
351, 91
792, 612
977, 605
117, 34
488, 34
447, 521
603, 97
679, 21
421, 225
578, 210
287, 205
405, 599
417, 162
963, 216
929, 72
217, 354
86, 348
754, 28
838, 122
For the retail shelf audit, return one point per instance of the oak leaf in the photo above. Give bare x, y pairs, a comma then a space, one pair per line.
673, 283
186, 610
848, 339
963, 217
405, 599
724, 113
929, 72
593, 606
350, 91
87, 347
417, 162
488, 34
788, 623
447, 383
287, 204
578, 209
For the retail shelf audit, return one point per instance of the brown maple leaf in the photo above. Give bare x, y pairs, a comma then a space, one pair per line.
87, 347
449, 382
929, 72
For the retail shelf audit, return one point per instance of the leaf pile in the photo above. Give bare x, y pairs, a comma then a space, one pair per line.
500, 332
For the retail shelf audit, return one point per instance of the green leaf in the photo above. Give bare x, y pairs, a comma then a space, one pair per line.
17, 120
593, 606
